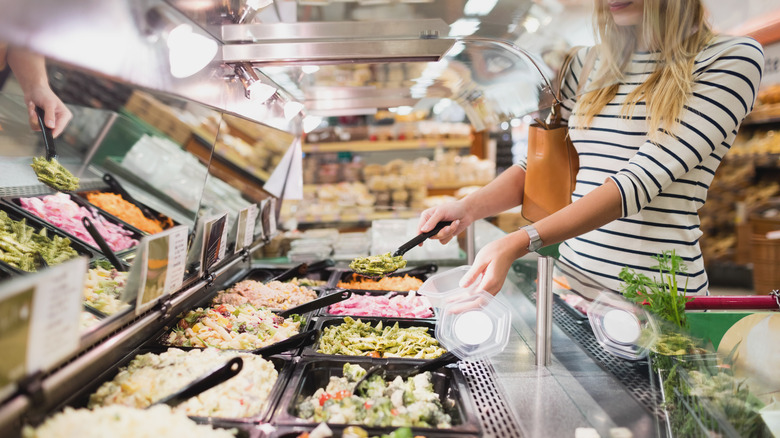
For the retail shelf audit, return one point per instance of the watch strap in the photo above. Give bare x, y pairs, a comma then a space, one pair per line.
534, 240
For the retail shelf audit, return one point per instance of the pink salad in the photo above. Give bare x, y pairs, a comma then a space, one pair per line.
390, 305
61, 211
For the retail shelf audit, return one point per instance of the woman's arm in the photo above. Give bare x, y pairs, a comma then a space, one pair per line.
503, 193
30, 71
599, 207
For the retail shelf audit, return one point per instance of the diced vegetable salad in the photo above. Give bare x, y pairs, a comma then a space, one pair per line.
398, 403
103, 289
357, 338
225, 326
274, 294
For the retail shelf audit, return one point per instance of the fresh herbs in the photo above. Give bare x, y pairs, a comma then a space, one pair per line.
53, 174
664, 297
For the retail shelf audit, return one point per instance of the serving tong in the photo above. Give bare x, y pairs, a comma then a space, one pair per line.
406, 247
101, 242
48, 143
429, 365
203, 383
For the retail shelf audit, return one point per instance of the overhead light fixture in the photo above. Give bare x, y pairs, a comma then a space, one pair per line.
479, 7
464, 27
291, 109
188, 51
254, 88
310, 69
310, 123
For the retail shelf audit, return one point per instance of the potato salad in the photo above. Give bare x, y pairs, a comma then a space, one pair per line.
151, 377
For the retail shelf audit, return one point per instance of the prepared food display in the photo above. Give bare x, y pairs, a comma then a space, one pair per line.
411, 402
61, 211
274, 294
122, 422
391, 304
87, 320
225, 326
378, 264
404, 283
354, 337
103, 289
20, 244
116, 205
323, 431
150, 377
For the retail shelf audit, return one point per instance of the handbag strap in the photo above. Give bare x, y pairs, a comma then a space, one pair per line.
587, 66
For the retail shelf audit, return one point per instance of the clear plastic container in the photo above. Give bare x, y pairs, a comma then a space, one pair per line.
474, 327
444, 287
622, 328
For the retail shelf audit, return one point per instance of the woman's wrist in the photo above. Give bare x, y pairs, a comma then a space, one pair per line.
518, 242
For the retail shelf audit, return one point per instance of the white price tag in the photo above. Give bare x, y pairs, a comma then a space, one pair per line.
215, 240
246, 227
159, 266
39, 320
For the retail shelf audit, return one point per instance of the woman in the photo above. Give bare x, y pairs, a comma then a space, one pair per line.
661, 107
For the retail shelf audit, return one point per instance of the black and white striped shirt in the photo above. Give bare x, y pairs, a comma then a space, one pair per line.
662, 184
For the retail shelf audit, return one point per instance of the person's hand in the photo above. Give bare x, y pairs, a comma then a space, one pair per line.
57, 115
451, 211
493, 262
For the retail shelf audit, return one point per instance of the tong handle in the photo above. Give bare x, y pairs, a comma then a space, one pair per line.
48, 138
296, 341
317, 303
101, 242
420, 238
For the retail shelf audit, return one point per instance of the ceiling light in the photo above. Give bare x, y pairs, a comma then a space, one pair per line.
479, 7
309, 69
310, 123
189, 52
531, 24
464, 27
291, 109
254, 89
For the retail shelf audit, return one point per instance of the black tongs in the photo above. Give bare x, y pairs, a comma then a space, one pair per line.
317, 303
203, 383
48, 138
296, 341
429, 365
101, 242
420, 238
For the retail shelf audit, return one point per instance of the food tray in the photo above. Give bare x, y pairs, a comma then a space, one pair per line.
283, 365
264, 274
161, 217
37, 224
312, 373
136, 234
346, 275
260, 274
324, 311
323, 322
158, 340
338, 430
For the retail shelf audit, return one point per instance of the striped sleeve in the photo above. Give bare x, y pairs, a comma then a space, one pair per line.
726, 81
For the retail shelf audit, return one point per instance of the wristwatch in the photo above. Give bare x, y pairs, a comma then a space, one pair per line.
534, 241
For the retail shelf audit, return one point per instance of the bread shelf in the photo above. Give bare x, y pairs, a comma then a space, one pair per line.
386, 145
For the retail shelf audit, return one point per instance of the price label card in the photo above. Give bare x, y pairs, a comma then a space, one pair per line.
269, 217
215, 240
159, 267
39, 320
246, 227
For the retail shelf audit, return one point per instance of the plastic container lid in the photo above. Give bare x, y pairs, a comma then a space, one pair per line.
622, 328
474, 327
444, 287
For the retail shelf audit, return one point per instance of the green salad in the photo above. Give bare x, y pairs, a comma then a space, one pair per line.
20, 244
377, 265
357, 338
398, 403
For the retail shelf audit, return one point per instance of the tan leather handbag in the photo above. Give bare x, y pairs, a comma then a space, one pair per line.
552, 163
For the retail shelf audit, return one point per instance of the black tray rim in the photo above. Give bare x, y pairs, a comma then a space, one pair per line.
323, 312
82, 194
467, 408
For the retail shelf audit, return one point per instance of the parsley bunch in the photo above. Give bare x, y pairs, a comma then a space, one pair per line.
664, 297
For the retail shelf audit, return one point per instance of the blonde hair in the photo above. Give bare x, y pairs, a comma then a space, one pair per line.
678, 30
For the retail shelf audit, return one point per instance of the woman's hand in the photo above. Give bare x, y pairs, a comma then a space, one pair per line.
494, 260
452, 211
57, 115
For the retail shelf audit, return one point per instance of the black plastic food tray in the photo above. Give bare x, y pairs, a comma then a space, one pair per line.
323, 322
313, 373
158, 340
338, 432
161, 217
265, 274
38, 224
262, 275
345, 275
283, 365
136, 234
325, 313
